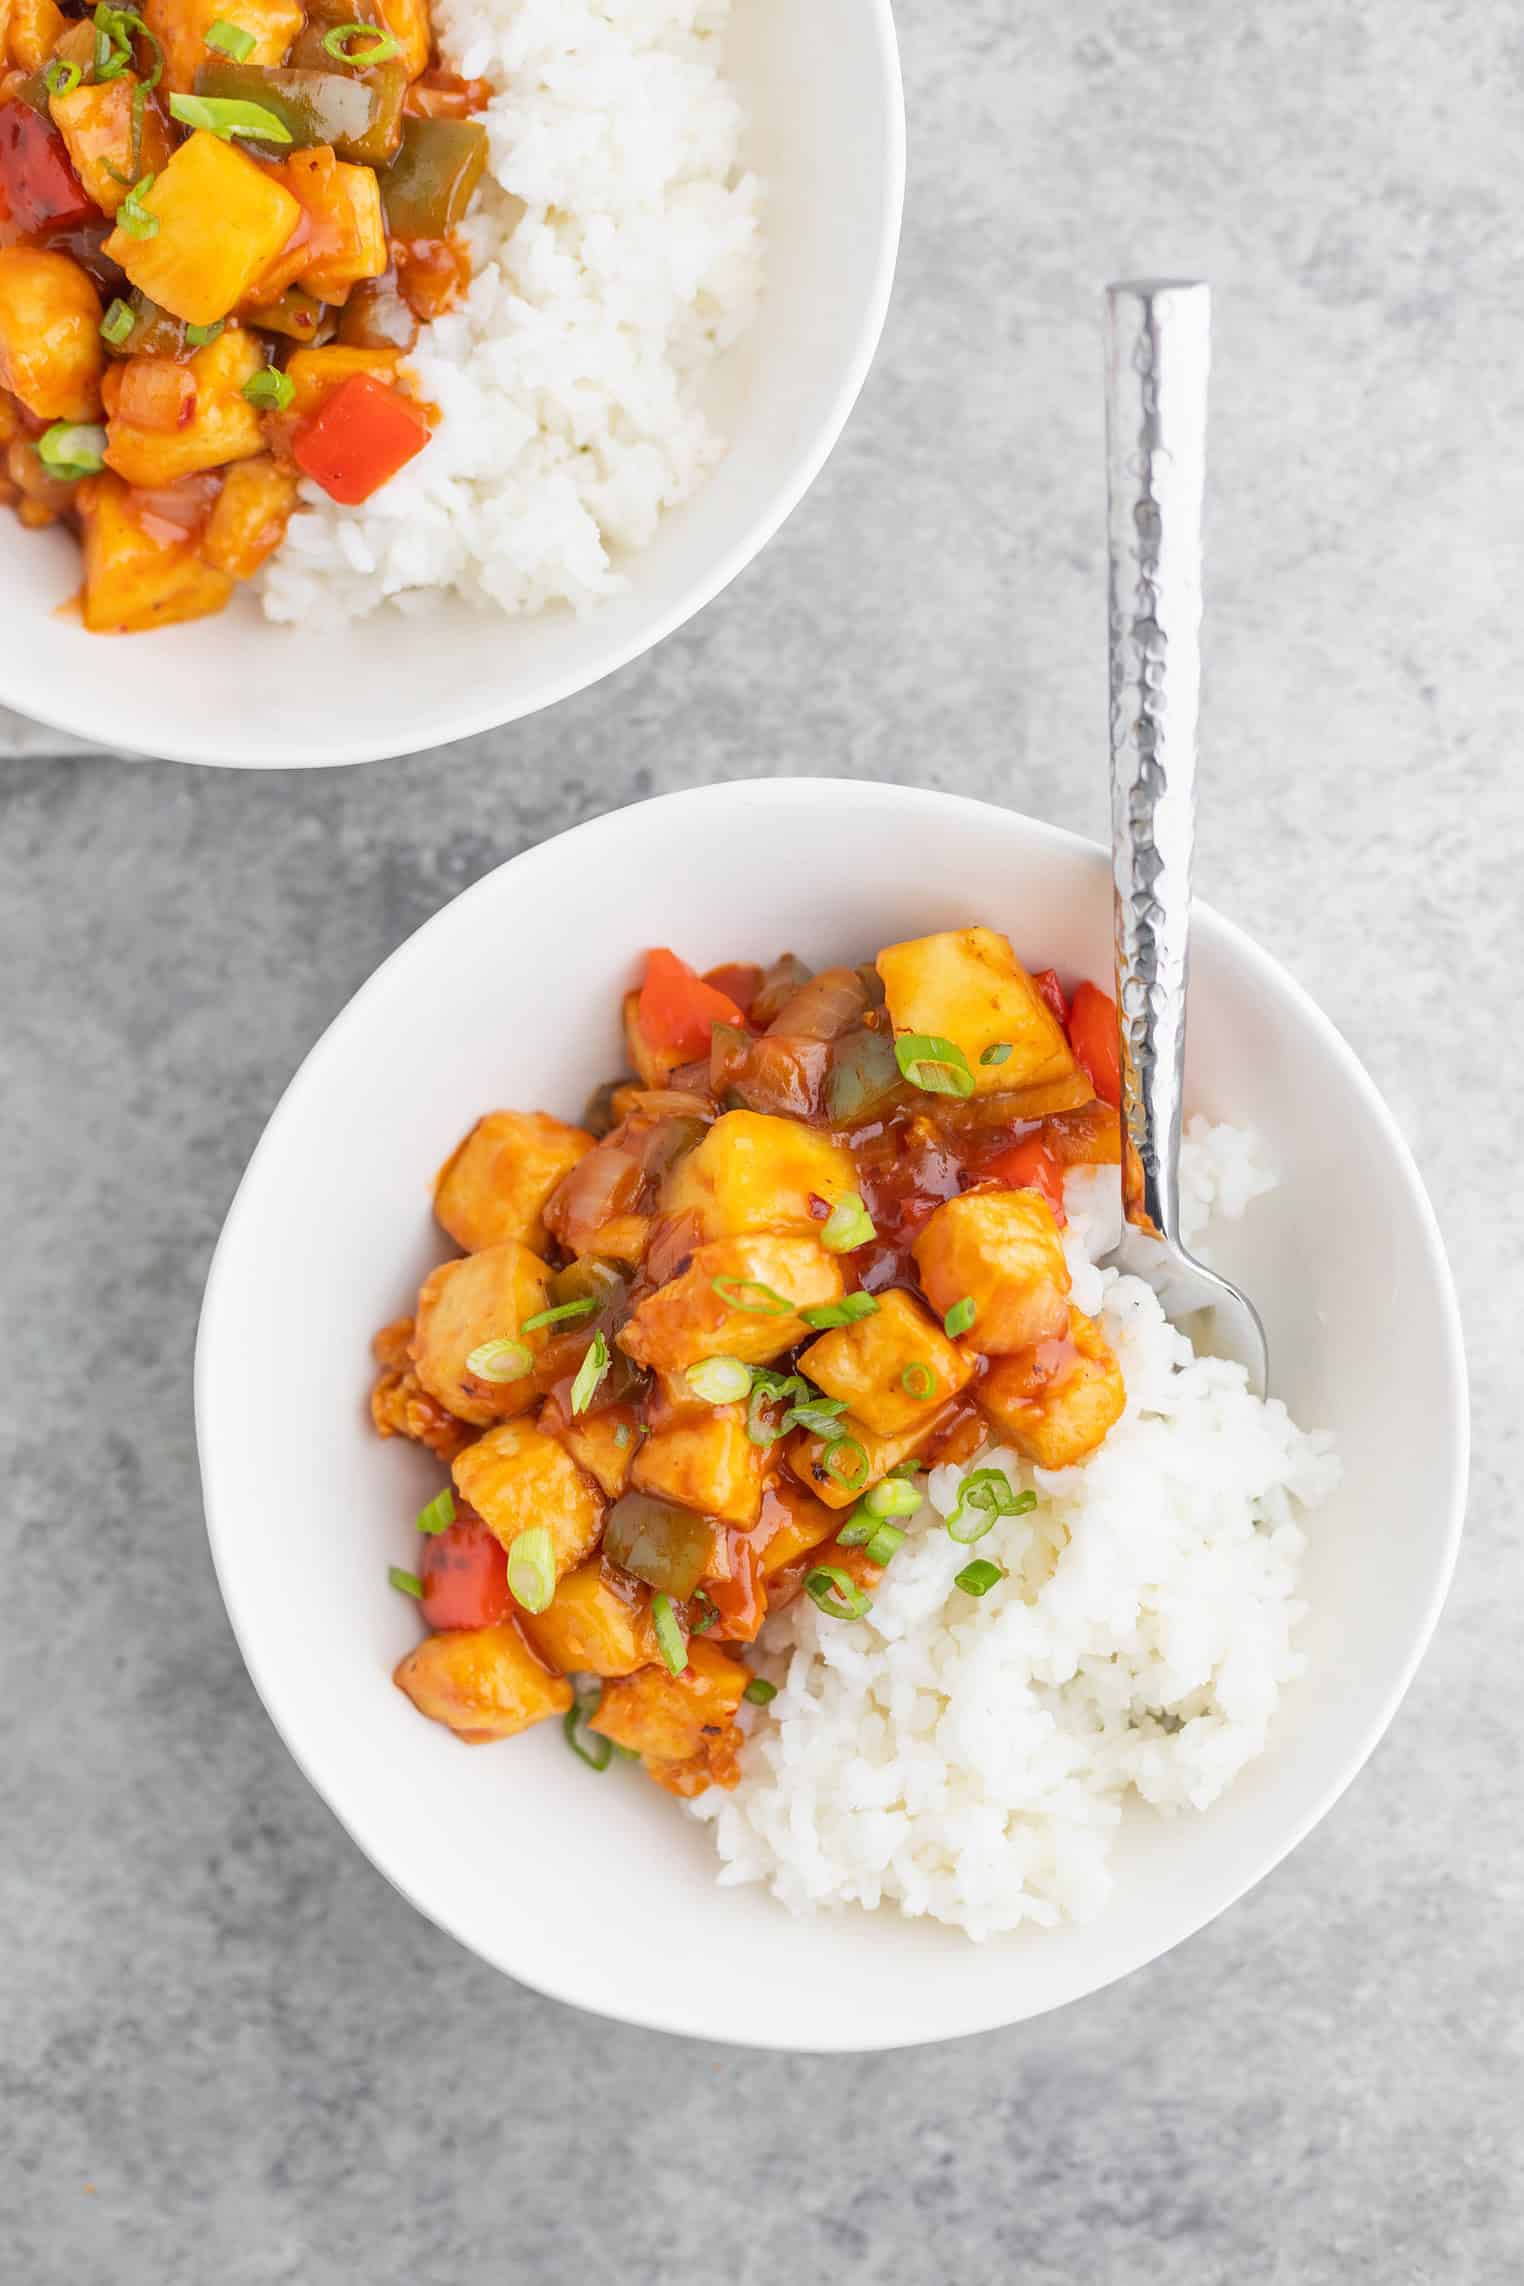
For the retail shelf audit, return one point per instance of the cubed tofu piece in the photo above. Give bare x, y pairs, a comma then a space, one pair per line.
889, 1368
461, 1305
1001, 1251
518, 1477
345, 239
683, 1726
31, 30
967, 986
495, 1184
1057, 1401
51, 355
181, 27
223, 427
839, 1473
96, 123
597, 1623
399, 1404
793, 1523
603, 1443
709, 1464
408, 23
250, 517
222, 221
136, 578
752, 1313
314, 374
754, 1172
481, 1682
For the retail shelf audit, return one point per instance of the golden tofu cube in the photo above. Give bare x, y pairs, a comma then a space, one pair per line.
495, 1184
793, 1523
598, 1623
314, 374
222, 220
710, 1464
1001, 1251
224, 426
181, 27
739, 1297
518, 1477
682, 1726
96, 123
603, 1443
754, 1172
463, 1305
1057, 1401
408, 23
31, 30
400, 1407
249, 520
481, 1682
50, 340
967, 986
840, 1469
135, 579
345, 239
868, 1365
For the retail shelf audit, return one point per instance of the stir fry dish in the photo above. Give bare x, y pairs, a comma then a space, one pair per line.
694, 1352
221, 223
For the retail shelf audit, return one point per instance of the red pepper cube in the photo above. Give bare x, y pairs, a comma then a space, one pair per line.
358, 438
39, 190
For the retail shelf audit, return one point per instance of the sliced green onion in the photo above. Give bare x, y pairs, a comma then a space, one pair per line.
227, 116
849, 1225
438, 1514
230, 40
769, 1304
831, 1462
563, 1314
200, 335
934, 1065
849, 1311
273, 391
820, 1415
133, 216
918, 1381
760, 1691
894, 1497
836, 1593
599, 1753
345, 43
960, 1317
62, 76
985, 1496
769, 1390
117, 323
497, 1361
406, 1583
978, 1577
998, 1054
669, 1635
590, 1372
532, 1568
858, 1530
708, 1617
72, 448
720, 1380
886, 1541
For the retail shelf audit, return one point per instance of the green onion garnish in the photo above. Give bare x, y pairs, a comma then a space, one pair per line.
599, 1753
590, 1372
62, 76
199, 336
894, 1497
760, 1691
438, 1514
227, 116
496, 1361
978, 1577
769, 1390
858, 1530
831, 1461
720, 1380
133, 216
998, 1054
849, 1311
934, 1065
820, 1415
836, 1593
346, 44
849, 1225
532, 1568
768, 1303
406, 1583
72, 448
117, 323
563, 1314
918, 1381
669, 1635
884, 1543
230, 40
960, 1317
983, 1497
708, 1617
272, 391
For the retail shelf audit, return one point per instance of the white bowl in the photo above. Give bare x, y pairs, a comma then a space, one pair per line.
601, 1891
821, 79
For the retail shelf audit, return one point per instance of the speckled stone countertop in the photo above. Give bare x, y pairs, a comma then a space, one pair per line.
229, 2055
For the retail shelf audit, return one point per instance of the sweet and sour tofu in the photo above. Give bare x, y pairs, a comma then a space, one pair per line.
495, 1184
483, 1683
1057, 1401
1001, 1252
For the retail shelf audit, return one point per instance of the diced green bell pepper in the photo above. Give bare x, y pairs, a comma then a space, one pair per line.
429, 185
313, 106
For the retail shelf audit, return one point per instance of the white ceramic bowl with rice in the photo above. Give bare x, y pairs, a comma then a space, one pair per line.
1216, 1614
647, 374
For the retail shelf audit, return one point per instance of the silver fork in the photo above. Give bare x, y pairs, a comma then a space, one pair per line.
1157, 354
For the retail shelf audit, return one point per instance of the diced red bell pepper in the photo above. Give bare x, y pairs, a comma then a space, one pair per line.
1029, 1165
1052, 992
1093, 1037
39, 190
358, 438
678, 1010
464, 1574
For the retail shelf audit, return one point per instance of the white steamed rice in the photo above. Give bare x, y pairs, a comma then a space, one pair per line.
570, 377
969, 1759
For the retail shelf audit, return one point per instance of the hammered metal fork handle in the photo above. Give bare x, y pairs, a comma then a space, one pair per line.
1157, 355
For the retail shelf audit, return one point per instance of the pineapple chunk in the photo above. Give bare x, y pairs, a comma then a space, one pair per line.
1056, 1402
346, 235
50, 342
710, 1464
486, 1297
754, 1172
481, 1682
865, 1365
967, 986
793, 1523
595, 1624
222, 220
495, 1184
182, 25
134, 579
1001, 1251
224, 426
682, 1726
603, 1443
249, 521
29, 32
517, 1476
838, 1475
408, 23
689, 1318
96, 125
314, 374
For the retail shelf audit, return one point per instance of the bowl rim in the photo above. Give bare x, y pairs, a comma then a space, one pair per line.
676, 2016
465, 713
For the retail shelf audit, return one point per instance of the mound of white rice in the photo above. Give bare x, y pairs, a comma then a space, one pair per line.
969, 1758
569, 378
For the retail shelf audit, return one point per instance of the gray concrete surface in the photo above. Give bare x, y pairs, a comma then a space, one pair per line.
229, 2055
